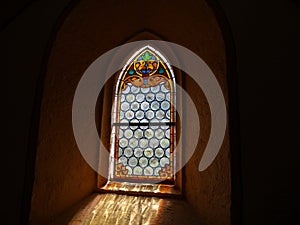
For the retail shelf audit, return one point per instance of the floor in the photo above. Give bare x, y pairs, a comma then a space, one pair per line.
112, 208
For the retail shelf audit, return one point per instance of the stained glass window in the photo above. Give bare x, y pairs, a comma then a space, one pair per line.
143, 134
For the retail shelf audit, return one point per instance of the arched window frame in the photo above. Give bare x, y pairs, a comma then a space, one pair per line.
116, 120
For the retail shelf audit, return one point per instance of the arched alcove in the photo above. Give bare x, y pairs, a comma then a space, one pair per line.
62, 177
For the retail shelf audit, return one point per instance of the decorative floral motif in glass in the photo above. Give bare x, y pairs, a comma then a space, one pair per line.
143, 136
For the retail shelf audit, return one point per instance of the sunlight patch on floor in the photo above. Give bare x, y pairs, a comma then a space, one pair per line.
122, 209
106, 209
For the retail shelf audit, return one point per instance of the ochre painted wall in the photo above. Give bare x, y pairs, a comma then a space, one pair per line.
62, 177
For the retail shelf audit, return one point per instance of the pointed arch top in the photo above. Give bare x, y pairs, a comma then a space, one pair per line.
147, 67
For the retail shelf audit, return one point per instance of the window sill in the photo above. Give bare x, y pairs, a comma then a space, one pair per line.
160, 190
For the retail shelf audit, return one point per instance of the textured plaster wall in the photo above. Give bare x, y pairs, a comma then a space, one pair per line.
209, 192
62, 177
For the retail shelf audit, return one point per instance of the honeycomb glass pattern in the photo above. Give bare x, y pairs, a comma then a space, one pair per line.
144, 121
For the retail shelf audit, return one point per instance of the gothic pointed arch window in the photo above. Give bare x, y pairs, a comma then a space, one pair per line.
143, 121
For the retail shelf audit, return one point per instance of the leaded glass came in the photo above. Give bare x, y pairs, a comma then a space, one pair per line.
144, 120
